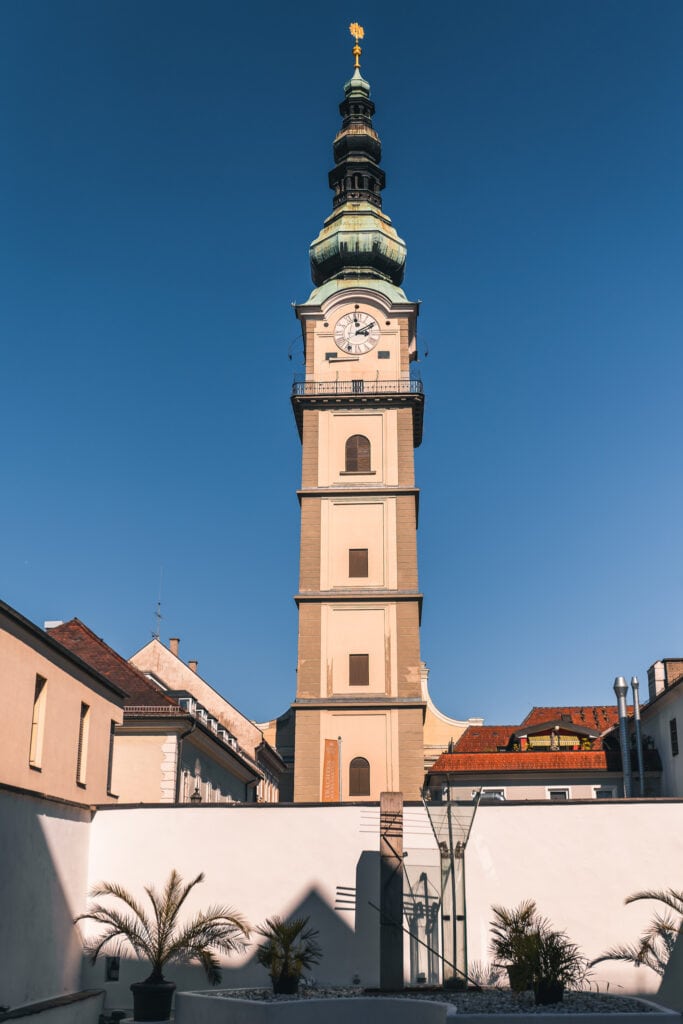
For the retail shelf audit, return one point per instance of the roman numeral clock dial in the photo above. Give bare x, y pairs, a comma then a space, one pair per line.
356, 333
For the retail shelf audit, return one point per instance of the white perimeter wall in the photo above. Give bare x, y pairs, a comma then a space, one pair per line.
43, 885
262, 860
579, 862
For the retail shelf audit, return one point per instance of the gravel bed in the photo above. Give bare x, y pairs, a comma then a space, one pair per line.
491, 1000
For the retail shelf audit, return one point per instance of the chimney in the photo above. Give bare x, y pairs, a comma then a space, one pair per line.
656, 679
193, 665
173, 644
621, 689
52, 623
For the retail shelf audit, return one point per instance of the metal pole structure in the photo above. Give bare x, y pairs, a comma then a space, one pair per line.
339, 767
454, 905
621, 689
639, 739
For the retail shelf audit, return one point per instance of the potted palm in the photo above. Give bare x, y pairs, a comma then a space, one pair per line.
290, 949
553, 962
508, 930
536, 956
159, 938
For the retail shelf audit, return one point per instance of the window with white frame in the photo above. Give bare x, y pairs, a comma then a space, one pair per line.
82, 750
35, 756
558, 792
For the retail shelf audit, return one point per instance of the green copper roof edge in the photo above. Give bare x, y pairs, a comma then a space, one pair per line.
325, 291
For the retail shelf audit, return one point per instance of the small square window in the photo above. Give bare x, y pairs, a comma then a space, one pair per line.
558, 794
603, 793
359, 669
358, 562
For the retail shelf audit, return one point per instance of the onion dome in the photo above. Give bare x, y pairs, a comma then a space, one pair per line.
357, 241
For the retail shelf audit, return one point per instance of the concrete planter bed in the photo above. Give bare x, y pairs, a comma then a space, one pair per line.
341, 1006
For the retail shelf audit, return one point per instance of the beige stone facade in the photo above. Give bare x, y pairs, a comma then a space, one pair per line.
359, 694
246, 739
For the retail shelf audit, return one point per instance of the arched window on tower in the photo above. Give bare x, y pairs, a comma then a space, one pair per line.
359, 777
357, 454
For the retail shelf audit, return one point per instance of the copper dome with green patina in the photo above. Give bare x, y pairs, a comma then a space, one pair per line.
358, 241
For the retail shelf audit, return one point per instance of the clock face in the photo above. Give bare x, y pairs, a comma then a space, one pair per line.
356, 332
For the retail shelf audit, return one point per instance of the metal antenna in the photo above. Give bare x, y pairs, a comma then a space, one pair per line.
156, 632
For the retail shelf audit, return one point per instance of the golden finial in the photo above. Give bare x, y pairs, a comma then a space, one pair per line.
357, 32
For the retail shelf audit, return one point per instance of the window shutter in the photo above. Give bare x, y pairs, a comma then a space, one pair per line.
357, 457
358, 562
359, 777
359, 669
82, 755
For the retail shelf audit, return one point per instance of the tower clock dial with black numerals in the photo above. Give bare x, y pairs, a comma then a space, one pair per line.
356, 332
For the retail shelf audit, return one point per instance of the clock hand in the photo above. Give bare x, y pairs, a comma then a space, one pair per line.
365, 330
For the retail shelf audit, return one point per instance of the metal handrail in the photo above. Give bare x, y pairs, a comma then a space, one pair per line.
357, 387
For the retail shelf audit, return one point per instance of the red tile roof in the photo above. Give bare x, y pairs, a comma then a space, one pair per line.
139, 690
483, 739
598, 717
560, 761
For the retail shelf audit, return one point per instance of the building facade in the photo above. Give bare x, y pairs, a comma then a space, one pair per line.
163, 666
556, 753
165, 752
359, 709
662, 718
58, 728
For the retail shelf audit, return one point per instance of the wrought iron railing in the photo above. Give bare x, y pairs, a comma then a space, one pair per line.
357, 387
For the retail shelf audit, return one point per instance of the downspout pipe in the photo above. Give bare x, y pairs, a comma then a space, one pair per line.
621, 689
639, 739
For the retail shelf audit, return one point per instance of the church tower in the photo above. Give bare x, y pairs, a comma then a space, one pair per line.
359, 708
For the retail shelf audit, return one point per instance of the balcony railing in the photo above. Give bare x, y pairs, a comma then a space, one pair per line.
356, 387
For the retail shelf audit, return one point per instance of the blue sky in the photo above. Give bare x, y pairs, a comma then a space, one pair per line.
163, 171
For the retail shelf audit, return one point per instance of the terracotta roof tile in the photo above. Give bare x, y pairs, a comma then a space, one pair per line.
139, 690
560, 761
592, 716
482, 739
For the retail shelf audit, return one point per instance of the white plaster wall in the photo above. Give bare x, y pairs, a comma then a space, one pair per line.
579, 862
261, 860
656, 724
43, 885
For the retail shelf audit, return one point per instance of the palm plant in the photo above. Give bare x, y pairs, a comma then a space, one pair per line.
552, 962
290, 949
157, 937
535, 955
508, 925
508, 930
653, 947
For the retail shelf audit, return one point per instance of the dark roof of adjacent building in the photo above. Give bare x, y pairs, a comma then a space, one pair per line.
139, 690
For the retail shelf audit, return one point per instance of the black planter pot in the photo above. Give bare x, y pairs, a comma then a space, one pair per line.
152, 999
286, 985
518, 976
548, 992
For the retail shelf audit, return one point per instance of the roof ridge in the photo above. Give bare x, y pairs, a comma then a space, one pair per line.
152, 687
